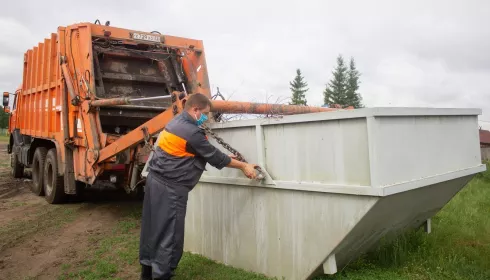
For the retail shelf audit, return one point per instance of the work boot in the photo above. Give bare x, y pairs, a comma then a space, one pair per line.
145, 272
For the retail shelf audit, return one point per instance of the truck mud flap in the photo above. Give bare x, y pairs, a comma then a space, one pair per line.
69, 173
18, 141
69, 179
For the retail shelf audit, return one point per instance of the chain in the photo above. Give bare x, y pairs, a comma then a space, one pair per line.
146, 137
228, 147
223, 143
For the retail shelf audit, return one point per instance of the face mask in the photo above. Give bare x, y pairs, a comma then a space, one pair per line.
202, 119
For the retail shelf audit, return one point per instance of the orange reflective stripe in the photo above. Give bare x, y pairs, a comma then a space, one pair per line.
173, 144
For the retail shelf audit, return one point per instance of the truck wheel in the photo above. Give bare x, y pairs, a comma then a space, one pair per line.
53, 184
38, 161
16, 167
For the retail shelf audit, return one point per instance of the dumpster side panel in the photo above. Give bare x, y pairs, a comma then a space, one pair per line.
414, 147
242, 139
281, 233
394, 214
329, 152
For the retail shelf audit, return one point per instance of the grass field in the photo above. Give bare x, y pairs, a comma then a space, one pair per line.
457, 248
4, 138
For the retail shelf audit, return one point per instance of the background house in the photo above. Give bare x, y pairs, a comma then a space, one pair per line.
485, 144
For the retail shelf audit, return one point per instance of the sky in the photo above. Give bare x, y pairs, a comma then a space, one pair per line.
409, 53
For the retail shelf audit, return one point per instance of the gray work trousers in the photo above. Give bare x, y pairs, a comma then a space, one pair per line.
162, 226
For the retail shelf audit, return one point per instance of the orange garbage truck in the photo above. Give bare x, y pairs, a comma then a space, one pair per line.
93, 99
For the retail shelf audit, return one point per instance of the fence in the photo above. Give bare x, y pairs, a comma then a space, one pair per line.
485, 153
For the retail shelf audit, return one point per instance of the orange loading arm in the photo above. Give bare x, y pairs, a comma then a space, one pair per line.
159, 122
236, 107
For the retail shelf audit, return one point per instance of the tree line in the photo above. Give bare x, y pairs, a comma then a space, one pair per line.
4, 118
342, 89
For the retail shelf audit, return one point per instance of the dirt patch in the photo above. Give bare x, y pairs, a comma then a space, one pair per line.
472, 243
16, 200
41, 256
39, 239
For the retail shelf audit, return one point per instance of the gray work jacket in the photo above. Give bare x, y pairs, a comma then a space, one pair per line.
183, 151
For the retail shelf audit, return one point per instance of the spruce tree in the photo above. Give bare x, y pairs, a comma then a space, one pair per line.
4, 118
336, 90
353, 98
298, 89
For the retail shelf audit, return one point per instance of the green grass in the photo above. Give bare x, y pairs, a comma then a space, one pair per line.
111, 255
199, 268
457, 248
17, 203
4, 138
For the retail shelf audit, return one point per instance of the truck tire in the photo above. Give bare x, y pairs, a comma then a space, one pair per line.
53, 184
38, 161
16, 167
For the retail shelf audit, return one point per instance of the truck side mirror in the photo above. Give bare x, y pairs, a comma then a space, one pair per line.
6, 99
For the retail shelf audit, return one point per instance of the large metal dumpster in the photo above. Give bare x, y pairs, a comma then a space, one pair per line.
339, 181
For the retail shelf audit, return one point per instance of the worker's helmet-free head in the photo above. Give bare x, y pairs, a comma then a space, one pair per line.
198, 105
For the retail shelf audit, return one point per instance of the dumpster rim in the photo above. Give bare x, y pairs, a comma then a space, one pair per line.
349, 114
379, 191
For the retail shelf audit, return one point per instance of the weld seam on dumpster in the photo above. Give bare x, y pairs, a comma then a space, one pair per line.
371, 127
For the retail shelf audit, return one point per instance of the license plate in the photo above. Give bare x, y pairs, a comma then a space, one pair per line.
146, 37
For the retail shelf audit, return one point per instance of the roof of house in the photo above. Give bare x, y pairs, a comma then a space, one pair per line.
484, 136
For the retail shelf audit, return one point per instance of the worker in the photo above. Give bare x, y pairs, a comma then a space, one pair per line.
178, 162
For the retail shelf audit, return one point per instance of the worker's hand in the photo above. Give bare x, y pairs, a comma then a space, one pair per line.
249, 170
